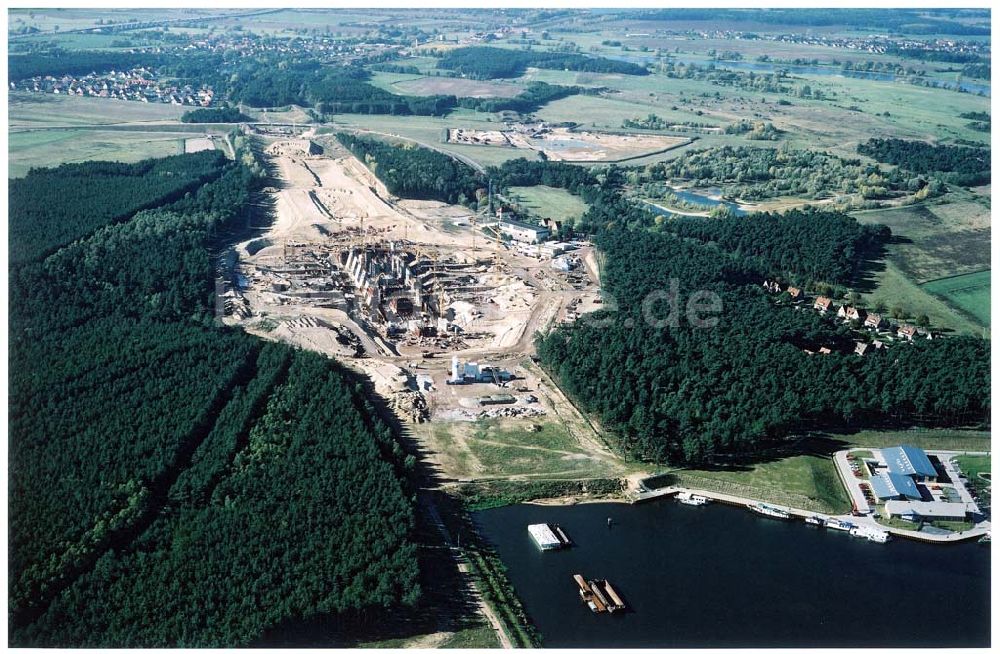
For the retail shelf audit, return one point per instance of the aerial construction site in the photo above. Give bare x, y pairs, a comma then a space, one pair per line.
437, 304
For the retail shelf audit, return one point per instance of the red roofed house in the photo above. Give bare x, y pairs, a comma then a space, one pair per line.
822, 304
849, 313
907, 332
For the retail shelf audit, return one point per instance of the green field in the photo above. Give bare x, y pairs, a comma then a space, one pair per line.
457, 86
548, 203
970, 293
935, 263
806, 477
806, 481
47, 110
937, 240
934, 439
896, 290
978, 470
45, 148
973, 465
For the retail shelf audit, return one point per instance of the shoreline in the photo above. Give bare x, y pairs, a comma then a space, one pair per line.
743, 502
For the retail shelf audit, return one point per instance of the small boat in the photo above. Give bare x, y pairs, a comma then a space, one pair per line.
985, 540
691, 499
842, 525
561, 535
814, 520
874, 535
769, 511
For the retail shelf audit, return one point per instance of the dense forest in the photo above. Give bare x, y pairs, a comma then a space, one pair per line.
752, 173
216, 115
415, 172
961, 165
483, 62
55, 206
683, 393
173, 482
977, 71
77, 62
808, 244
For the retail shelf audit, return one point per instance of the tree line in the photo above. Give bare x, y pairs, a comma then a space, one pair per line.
959, 164
216, 115
55, 206
754, 173
809, 244
78, 62
414, 172
483, 62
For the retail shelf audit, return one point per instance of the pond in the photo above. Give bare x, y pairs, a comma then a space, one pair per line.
706, 198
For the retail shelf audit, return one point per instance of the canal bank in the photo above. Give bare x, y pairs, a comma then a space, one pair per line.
716, 576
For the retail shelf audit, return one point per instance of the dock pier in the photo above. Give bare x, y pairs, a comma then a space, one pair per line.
644, 495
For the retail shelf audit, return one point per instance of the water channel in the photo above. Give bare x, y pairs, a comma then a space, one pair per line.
718, 576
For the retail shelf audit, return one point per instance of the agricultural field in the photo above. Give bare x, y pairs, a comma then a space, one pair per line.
895, 290
457, 86
30, 149
932, 245
934, 241
592, 111
36, 110
970, 293
548, 203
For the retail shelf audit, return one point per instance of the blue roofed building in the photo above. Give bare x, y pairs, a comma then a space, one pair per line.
909, 461
894, 486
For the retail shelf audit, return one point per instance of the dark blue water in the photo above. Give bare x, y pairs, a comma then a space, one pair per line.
718, 576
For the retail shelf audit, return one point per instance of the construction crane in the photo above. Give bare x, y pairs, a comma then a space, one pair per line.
438, 286
474, 234
496, 243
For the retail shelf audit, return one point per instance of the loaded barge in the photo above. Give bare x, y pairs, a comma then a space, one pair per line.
599, 595
549, 537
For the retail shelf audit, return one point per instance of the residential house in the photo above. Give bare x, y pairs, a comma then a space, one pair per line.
873, 321
849, 313
795, 293
907, 332
823, 304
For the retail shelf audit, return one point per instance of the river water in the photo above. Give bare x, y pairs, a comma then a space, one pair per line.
719, 576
